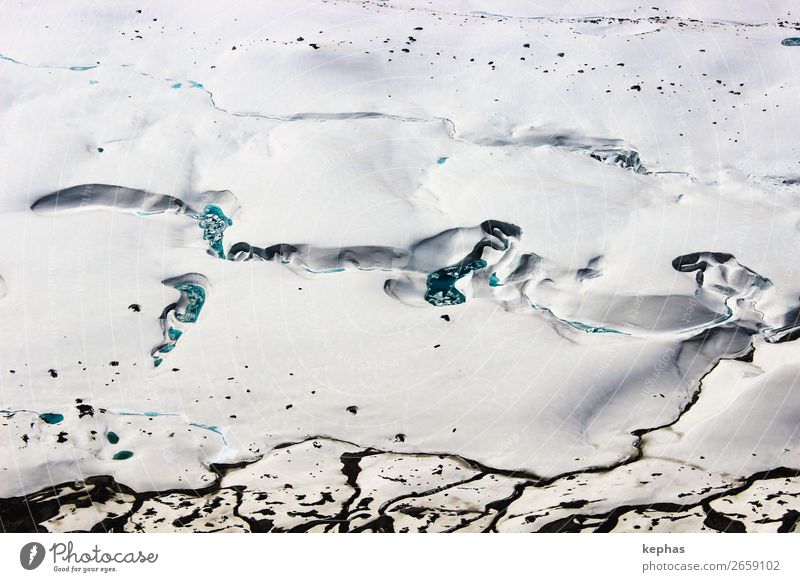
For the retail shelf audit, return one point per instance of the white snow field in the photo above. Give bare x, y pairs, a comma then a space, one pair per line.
401, 265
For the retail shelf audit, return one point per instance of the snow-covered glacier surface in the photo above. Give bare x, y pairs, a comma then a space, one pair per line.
400, 266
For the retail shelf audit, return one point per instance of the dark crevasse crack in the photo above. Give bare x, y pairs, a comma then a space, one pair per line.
606, 522
341, 521
26, 514
790, 521
118, 524
255, 525
500, 507
384, 522
351, 469
721, 522
577, 522
749, 352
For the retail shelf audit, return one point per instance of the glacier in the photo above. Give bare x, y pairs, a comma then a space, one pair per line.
399, 266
